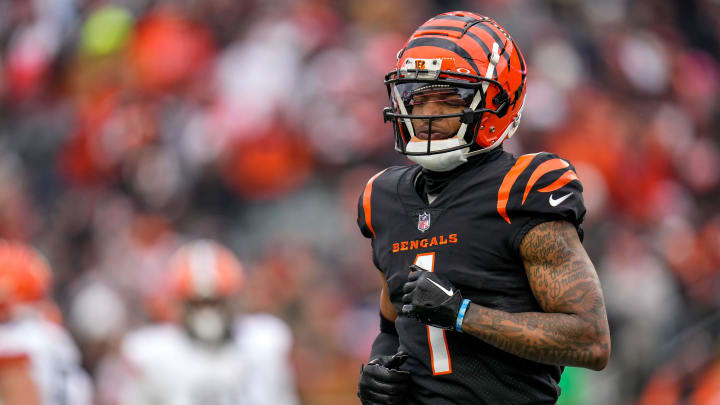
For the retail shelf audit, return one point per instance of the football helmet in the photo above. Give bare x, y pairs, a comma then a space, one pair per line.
204, 269
472, 66
25, 276
204, 277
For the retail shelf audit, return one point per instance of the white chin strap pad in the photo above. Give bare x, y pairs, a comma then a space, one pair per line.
440, 162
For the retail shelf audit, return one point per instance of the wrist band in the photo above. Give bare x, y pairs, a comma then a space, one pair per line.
461, 315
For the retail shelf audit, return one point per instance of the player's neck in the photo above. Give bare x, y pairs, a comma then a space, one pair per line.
431, 184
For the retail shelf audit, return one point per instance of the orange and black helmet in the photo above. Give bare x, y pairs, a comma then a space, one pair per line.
475, 58
25, 276
204, 269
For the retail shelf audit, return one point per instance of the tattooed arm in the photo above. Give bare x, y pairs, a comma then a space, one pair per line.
573, 330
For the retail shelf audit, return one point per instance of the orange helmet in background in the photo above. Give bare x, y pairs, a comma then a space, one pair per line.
25, 275
474, 57
205, 269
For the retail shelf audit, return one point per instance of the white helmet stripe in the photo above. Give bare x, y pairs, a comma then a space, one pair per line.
494, 59
203, 269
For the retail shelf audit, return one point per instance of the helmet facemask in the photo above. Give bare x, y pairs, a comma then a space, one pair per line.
208, 321
464, 100
463, 51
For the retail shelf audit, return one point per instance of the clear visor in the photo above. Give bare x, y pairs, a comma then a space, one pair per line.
414, 94
438, 109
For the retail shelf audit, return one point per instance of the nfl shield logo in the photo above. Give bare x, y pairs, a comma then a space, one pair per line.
423, 222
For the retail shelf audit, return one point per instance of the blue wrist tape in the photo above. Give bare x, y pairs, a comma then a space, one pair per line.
461, 315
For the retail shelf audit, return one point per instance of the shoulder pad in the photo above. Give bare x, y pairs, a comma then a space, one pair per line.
541, 185
146, 344
264, 333
384, 181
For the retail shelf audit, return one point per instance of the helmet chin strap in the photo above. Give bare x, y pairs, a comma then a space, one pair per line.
509, 131
447, 161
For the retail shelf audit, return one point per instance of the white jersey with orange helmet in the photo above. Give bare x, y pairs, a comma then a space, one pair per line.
53, 357
168, 367
25, 276
26, 331
204, 268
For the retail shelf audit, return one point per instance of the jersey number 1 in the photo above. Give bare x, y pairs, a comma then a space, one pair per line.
439, 353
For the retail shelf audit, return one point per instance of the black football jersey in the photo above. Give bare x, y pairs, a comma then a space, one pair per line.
471, 235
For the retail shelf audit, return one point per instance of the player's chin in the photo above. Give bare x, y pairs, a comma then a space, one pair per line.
424, 135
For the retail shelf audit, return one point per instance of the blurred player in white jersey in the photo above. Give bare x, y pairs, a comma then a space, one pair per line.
39, 355
16, 384
211, 356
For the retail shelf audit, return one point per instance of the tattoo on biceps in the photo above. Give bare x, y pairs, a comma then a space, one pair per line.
573, 326
560, 273
564, 282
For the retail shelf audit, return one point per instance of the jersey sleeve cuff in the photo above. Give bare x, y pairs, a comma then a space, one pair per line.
530, 224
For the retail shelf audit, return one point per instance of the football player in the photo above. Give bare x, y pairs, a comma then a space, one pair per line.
16, 383
39, 362
487, 290
211, 356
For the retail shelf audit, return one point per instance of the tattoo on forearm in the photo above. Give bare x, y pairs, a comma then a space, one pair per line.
573, 329
547, 338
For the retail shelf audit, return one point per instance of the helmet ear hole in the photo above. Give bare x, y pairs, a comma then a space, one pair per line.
471, 136
502, 100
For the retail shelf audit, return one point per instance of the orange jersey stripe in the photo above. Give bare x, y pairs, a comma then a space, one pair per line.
566, 178
544, 168
12, 359
366, 202
507, 183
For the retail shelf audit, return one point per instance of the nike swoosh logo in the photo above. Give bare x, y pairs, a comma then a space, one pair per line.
445, 290
556, 202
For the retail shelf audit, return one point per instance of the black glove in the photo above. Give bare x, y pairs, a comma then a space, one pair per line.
431, 299
382, 383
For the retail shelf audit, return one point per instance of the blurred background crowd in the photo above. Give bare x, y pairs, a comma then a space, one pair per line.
128, 127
